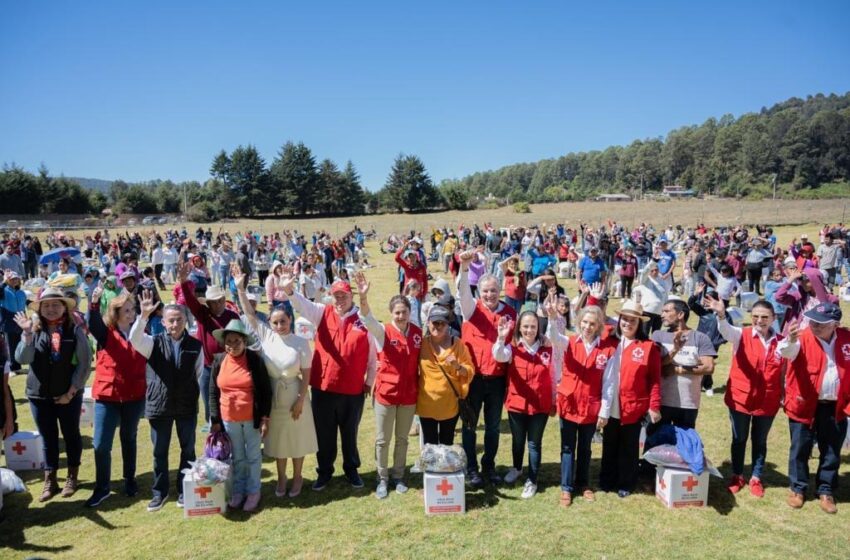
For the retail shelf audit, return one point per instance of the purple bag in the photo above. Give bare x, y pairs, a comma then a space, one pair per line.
218, 446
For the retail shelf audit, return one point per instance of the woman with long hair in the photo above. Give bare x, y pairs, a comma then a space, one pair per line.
118, 390
288, 358
530, 392
396, 383
60, 360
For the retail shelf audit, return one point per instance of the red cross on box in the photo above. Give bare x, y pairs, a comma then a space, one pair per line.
19, 448
690, 483
202, 491
662, 484
444, 487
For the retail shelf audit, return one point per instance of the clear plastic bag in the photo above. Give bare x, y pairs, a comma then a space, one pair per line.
442, 458
11, 482
667, 456
208, 471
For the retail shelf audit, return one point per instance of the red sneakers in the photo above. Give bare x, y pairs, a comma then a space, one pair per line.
736, 484
756, 488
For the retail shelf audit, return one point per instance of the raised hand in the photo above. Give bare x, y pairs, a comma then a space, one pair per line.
550, 306
24, 322
362, 284
793, 330
504, 327
97, 292
238, 276
597, 290
183, 271
147, 304
716, 305
7, 276
286, 280
679, 340
466, 256
700, 288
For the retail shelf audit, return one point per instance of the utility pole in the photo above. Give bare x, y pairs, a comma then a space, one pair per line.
775, 175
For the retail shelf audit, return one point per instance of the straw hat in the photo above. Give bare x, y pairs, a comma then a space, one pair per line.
53, 293
236, 326
632, 308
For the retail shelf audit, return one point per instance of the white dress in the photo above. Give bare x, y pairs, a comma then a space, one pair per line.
285, 357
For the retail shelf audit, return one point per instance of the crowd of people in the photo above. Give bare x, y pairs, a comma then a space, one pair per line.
507, 338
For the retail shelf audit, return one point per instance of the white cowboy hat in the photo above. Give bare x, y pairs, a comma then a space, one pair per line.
632, 308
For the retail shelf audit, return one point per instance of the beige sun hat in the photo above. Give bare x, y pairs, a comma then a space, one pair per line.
632, 308
53, 293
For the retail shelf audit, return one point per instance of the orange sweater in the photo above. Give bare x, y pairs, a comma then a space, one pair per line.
436, 399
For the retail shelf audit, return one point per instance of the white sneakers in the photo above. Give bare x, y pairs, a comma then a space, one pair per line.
528, 490
381, 490
512, 475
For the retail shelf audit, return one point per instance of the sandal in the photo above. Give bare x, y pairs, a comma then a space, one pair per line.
566, 499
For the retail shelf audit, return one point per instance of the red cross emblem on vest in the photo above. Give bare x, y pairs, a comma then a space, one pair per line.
202, 491
444, 487
690, 483
19, 448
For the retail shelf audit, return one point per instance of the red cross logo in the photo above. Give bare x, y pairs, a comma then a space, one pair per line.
202, 491
662, 484
690, 483
19, 448
444, 487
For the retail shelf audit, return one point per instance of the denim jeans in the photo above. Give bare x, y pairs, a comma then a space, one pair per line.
487, 392
515, 304
829, 436
50, 418
204, 383
742, 423
107, 417
575, 454
527, 427
161, 440
224, 276
247, 458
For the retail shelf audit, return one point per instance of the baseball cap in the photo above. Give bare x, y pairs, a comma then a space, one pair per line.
341, 286
824, 313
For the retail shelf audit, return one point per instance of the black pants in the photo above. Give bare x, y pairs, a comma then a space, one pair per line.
261, 277
332, 413
626, 286
620, 453
157, 272
754, 276
438, 431
50, 418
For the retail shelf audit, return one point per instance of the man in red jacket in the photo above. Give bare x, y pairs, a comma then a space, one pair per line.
817, 401
487, 389
343, 372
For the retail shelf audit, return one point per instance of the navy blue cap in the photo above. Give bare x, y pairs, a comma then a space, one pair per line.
824, 313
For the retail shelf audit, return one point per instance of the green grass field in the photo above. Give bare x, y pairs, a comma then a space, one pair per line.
343, 522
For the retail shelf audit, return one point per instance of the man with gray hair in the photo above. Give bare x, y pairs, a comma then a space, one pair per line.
175, 363
487, 389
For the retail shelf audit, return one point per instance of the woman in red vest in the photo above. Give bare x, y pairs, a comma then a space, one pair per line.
530, 392
754, 388
585, 356
118, 390
631, 387
396, 383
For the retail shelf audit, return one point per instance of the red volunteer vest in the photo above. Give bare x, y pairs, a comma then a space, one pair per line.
397, 383
529, 381
342, 353
580, 390
119, 374
479, 334
755, 377
805, 376
640, 381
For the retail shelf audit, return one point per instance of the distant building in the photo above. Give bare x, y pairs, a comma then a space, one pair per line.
613, 198
678, 191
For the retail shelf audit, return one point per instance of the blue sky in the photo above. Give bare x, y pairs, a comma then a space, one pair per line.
149, 90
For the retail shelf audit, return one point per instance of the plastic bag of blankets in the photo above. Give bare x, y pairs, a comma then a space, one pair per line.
668, 456
442, 458
208, 471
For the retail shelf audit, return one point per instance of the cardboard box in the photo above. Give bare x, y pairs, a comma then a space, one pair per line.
678, 488
87, 410
201, 499
24, 451
444, 493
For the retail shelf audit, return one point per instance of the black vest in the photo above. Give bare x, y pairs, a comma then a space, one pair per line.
47, 378
172, 385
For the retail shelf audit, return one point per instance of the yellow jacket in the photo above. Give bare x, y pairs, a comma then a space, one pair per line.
436, 399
